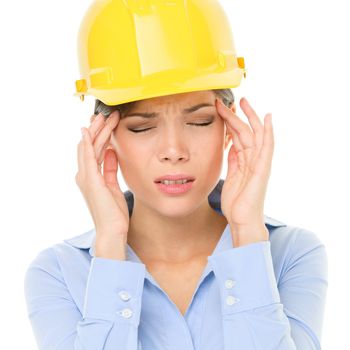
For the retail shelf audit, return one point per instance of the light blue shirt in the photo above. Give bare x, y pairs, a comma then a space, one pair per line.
268, 295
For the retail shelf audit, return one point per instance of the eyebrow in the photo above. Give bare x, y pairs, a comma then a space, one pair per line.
186, 111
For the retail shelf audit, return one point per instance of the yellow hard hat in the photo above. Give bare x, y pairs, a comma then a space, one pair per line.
131, 50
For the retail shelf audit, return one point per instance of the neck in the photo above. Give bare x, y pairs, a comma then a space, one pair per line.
173, 239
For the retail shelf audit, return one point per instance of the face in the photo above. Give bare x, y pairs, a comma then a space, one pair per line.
175, 140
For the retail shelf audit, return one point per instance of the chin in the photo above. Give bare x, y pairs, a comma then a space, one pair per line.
177, 207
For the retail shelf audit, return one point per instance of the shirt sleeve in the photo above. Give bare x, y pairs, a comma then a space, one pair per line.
259, 314
112, 305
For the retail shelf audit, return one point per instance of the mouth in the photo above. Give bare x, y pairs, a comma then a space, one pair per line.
174, 182
172, 179
175, 187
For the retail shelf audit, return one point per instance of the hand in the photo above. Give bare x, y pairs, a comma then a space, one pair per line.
249, 167
105, 200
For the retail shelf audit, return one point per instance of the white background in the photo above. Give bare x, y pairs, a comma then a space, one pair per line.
297, 56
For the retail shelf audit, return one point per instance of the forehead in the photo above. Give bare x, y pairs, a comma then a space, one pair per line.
175, 100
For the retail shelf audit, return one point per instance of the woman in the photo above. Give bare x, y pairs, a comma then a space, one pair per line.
194, 265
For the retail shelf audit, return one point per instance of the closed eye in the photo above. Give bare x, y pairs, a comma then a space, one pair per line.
195, 124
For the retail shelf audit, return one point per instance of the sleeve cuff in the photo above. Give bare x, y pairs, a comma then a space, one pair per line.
114, 290
246, 277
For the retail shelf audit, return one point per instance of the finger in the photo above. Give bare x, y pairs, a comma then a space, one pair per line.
101, 155
80, 154
245, 155
240, 154
254, 121
110, 167
243, 130
266, 153
235, 139
96, 125
103, 137
88, 159
253, 118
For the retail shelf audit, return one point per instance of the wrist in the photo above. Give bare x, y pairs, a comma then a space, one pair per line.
249, 234
110, 246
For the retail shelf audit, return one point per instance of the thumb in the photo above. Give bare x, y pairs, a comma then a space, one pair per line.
110, 168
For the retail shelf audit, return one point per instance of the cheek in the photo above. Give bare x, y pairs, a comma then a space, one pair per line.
129, 150
207, 151
213, 140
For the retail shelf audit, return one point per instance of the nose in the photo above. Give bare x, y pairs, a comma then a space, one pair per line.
173, 145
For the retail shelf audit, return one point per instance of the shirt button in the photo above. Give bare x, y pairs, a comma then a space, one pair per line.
126, 313
229, 284
124, 295
230, 300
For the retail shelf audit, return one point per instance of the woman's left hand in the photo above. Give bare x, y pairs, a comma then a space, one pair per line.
248, 171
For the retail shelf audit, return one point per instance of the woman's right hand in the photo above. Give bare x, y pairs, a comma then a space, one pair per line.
104, 198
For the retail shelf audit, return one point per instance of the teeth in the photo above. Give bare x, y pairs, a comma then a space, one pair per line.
170, 182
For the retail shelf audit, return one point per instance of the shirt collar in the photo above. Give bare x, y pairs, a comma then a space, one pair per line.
87, 239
